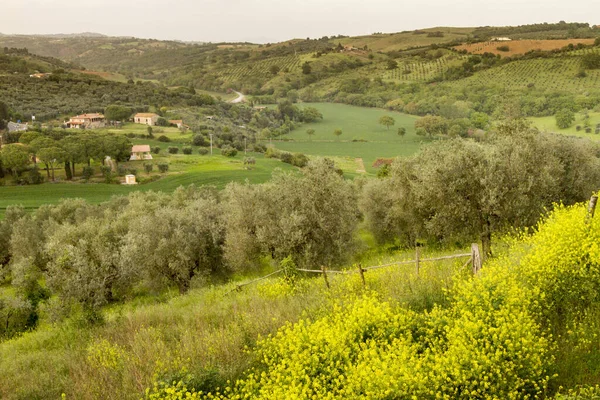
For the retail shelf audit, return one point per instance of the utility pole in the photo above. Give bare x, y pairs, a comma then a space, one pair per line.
211, 135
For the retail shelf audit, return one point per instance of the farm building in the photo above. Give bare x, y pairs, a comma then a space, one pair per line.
140, 152
501, 39
178, 123
86, 121
146, 118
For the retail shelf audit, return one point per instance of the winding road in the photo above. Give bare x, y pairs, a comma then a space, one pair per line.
240, 99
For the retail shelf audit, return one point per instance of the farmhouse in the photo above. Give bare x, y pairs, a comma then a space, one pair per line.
140, 152
146, 118
86, 121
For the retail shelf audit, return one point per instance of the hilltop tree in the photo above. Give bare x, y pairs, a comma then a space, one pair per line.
387, 121
310, 132
564, 118
337, 133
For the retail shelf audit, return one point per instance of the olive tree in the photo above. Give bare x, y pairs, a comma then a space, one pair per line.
311, 217
178, 243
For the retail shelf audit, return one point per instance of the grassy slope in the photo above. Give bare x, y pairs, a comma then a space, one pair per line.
356, 123
207, 329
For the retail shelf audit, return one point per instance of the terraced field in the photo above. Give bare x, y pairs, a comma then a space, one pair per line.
548, 73
516, 47
423, 71
239, 72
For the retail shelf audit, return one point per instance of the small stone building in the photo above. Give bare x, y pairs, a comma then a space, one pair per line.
86, 121
146, 118
140, 152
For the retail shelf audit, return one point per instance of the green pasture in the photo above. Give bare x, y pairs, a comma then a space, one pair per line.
184, 170
362, 135
548, 124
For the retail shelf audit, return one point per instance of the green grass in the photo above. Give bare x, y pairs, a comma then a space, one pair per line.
356, 123
185, 170
548, 124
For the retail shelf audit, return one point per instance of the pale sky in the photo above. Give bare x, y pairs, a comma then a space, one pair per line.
276, 20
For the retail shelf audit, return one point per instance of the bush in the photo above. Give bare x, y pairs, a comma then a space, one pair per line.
132, 171
199, 140
203, 151
163, 167
88, 172
187, 150
299, 160
148, 167
173, 150
228, 151
503, 48
34, 177
286, 157
156, 149
106, 173
259, 148
163, 138
121, 170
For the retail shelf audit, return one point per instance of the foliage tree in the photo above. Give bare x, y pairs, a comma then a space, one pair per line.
310, 132
306, 68
564, 118
52, 156
178, 243
311, 217
387, 121
392, 64
311, 114
401, 131
433, 125
117, 113
274, 69
15, 157
337, 133
590, 61
3, 114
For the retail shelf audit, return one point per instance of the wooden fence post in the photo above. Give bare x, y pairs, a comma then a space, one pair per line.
476, 257
592, 208
417, 257
325, 277
362, 275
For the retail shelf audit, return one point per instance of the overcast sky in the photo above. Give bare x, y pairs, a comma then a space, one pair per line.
276, 20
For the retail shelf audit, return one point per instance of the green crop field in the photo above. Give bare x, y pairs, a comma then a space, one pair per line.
356, 123
193, 169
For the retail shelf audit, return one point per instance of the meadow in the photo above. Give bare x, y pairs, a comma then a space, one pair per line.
548, 124
362, 135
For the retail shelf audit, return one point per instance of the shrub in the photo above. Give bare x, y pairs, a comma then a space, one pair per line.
259, 148
156, 149
121, 170
148, 167
163, 138
173, 150
163, 167
199, 140
286, 157
34, 177
503, 48
187, 150
87, 172
106, 173
132, 171
228, 151
249, 161
299, 160
203, 151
